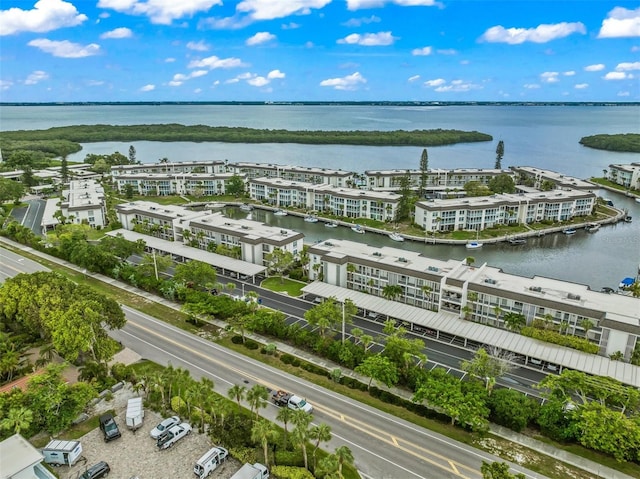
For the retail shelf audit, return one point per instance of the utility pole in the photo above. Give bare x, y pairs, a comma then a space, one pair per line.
155, 264
343, 321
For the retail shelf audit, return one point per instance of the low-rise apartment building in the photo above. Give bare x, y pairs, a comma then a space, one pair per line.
168, 167
84, 202
481, 212
625, 175
243, 239
435, 179
303, 174
343, 202
164, 184
20, 460
547, 179
481, 294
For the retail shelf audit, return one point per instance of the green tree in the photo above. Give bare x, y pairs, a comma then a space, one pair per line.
285, 416
498, 470
502, 184
319, 433
132, 155
512, 409
28, 179
257, 398
278, 262
378, 368
487, 367
392, 291
64, 169
499, 155
195, 272
235, 186
345, 456
328, 314
514, 321
424, 171
129, 191
17, 420
10, 190
407, 198
301, 421
263, 432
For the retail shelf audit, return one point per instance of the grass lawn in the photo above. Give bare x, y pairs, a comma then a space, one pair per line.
286, 285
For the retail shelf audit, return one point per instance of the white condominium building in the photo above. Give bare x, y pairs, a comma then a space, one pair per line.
547, 179
344, 202
294, 173
481, 212
435, 179
481, 294
625, 175
243, 239
164, 184
84, 202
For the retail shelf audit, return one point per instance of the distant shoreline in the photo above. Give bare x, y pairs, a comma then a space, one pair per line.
320, 103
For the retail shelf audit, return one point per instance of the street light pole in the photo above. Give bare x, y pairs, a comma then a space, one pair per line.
343, 321
155, 264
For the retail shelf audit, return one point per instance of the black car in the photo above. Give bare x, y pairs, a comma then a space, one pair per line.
109, 427
101, 469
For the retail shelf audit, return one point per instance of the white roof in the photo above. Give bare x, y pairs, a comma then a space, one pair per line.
179, 249
23, 455
450, 323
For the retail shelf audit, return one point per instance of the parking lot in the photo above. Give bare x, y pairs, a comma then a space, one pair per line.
136, 454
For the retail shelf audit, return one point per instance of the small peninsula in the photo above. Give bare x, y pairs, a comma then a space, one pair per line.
9, 140
623, 142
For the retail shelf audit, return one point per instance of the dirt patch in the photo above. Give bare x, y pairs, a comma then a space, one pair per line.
135, 454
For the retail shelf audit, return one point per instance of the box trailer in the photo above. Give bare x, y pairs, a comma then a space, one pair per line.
252, 471
59, 453
135, 413
210, 461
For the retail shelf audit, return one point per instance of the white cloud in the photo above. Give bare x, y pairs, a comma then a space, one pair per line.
45, 16
569, 73
258, 81
200, 46
197, 90
581, 86
635, 49
179, 78
621, 23
617, 76
358, 4
290, 26
624, 93
95, 82
369, 39
169, 60
273, 74
540, 34
65, 48
447, 51
160, 11
270, 9
625, 67
121, 32
594, 68
149, 87
214, 62
36, 77
413, 78
349, 83
260, 37
435, 83
175, 83
5, 84
531, 86
198, 73
424, 51
549, 77
356, 22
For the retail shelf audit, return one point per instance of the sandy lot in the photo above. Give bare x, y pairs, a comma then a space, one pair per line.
136, 454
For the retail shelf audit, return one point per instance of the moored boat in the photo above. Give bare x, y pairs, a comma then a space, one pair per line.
396, 237
473, 245
592, 227
311, 219
246, 207
280, 213
517, 241
569, 231
331, 224
357, 229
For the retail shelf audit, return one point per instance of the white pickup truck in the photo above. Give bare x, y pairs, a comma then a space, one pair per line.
285, 399
173, 435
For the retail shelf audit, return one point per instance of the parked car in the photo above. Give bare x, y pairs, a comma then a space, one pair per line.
101, 469
109, 427
173, 435
165, 425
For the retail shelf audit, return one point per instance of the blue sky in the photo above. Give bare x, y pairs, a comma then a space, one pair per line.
319, 50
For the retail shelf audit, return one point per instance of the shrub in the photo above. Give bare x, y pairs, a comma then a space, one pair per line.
236, 339
290, 472
178, 405
251, 344
244, 454
287, 358
290, 458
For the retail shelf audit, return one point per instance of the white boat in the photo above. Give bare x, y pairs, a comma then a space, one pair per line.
569, 231
473, 245
280, 213
311, 219
396, 237
517, 241
358, 229
331, 224
592, 227
246, 207
637, 200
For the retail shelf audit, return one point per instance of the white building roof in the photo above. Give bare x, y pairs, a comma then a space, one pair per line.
179, 249
50, 208
450, 323
16, 455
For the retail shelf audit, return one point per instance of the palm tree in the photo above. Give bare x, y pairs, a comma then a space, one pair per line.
257, 398
264, 431
237, 393
285, 415
18, 419
320, 433
345, 456
302, 420
587, 325
392, 291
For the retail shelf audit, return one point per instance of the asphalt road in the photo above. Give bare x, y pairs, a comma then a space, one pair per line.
12, 264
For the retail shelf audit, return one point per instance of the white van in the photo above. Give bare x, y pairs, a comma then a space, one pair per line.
58, 453
135, 413
210, 461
